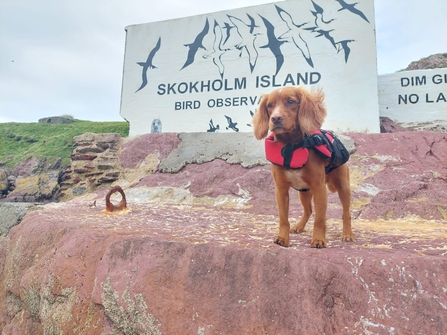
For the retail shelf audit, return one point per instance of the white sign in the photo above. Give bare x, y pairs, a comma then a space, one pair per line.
414, 96
208, 72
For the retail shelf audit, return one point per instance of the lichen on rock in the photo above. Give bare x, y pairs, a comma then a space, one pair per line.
128, 313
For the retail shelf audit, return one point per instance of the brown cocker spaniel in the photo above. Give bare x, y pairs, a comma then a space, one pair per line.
292, 114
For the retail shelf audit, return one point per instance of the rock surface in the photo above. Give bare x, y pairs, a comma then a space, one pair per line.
56, 120
194, 252
437, 126
389, 126
4, 181
430, 62
11, 215
93, 163
34, 179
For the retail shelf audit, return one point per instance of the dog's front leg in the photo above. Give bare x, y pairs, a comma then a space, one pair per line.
319, 234
282, 200
306, 202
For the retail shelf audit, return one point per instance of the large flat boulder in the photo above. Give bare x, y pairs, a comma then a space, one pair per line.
193, 254
206, 269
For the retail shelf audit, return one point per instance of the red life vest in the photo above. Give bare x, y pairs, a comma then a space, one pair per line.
295, 156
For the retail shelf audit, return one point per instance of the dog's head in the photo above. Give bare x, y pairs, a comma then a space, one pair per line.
289, 112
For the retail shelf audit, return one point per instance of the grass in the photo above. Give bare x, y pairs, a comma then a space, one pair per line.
19, 141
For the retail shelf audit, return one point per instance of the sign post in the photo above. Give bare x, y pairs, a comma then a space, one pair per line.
206, 73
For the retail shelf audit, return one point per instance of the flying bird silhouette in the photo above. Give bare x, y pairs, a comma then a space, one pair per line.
231, 124
228, 28
212, 127
294, 33
194, 46
344, 45
148, 64
251, 114
327, 35
273, 44
248, 40
217, 49
318, 14
252, 24
352, 9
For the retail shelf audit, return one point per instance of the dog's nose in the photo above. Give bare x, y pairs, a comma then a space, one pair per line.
276, 119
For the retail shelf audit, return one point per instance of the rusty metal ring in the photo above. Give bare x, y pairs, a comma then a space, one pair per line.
115, 208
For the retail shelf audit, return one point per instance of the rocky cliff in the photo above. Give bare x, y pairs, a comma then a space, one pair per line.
193, 253
431, 62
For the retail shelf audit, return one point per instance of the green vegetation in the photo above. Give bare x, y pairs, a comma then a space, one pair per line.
19, 141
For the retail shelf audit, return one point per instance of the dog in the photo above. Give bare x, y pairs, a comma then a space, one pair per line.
291, 114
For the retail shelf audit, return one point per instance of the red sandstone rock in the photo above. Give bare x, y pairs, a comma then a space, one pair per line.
392, 176
209, 270
194, 252
134, 151
81, 170
34, 165
83, 157
408, 172
90, 149
389, 126
92, 174
102, 180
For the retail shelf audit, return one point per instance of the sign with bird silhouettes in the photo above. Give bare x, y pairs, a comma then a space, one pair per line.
207, 73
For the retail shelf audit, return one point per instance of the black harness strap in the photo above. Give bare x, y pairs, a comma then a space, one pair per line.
314, 140
335, 152
287, 152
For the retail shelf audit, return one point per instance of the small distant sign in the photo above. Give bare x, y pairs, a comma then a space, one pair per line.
414, 96
207, 73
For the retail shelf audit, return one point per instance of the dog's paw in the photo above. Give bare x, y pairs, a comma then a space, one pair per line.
297, 229
281, 241
348, 237
316, 243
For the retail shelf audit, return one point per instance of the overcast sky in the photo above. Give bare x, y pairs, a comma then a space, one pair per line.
65, 57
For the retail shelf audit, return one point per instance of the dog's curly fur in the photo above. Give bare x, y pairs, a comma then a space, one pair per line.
290, 113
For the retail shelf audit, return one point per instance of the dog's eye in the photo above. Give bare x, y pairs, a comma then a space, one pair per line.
291, 102
270, 105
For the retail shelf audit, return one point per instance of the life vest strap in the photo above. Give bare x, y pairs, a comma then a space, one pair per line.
295, 156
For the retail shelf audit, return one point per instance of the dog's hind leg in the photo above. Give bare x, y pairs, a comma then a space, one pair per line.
338, 181
344, 193
306, 202
320, 201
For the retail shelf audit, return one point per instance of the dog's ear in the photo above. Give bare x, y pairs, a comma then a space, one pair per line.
261, 119
312, 111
